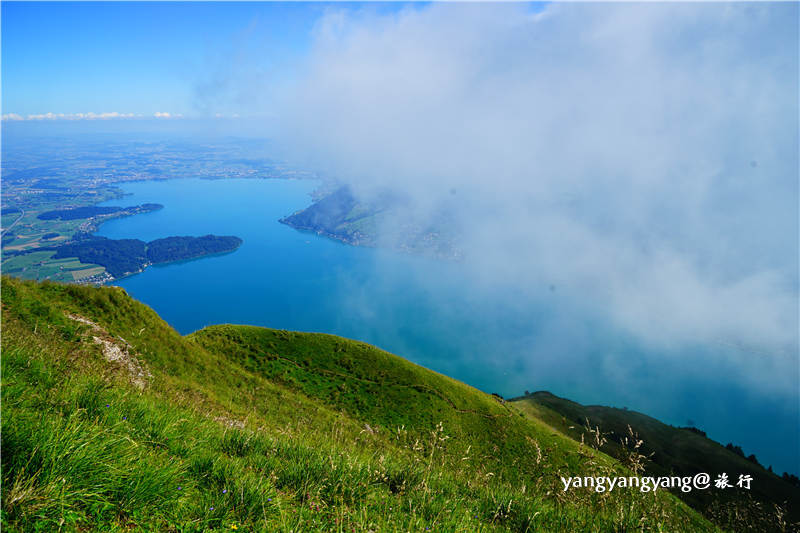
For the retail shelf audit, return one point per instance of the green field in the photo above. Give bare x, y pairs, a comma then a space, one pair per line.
8, 219
86, 272
27, 233
254, 429
40, 266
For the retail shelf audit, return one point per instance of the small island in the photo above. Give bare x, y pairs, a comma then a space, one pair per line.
122, 257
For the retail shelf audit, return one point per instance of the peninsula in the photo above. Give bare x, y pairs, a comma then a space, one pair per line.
122, 257
384, 220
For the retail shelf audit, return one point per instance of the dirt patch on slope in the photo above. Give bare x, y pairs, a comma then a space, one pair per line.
117, 350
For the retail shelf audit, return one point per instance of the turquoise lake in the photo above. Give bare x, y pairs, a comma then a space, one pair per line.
425, 310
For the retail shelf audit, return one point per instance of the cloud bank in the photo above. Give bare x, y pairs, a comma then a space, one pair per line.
68, 116
640, 158
16, 117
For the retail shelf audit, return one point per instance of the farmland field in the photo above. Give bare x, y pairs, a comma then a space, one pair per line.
40, 265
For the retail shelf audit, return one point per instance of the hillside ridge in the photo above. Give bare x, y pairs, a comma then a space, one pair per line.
238, 427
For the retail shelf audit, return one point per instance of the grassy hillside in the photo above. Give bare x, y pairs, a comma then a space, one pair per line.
770, 504
113, 421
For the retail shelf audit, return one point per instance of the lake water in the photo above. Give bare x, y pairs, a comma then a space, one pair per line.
428, 311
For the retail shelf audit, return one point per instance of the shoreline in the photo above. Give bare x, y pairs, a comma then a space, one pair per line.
167, 263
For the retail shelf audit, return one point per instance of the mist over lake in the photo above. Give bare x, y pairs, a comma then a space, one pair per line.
434, 312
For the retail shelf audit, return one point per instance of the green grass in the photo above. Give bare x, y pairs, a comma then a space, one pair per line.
267, 430
767, 506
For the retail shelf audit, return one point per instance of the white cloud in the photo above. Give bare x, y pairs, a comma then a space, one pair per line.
161, 114
643, 158
102, 116
69, 116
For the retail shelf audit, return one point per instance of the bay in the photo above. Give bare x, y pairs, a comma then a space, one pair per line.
428, 311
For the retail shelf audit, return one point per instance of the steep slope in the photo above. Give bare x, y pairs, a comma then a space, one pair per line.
112, 421
677, 451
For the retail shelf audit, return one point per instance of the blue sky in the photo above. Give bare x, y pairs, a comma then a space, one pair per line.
143, 58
